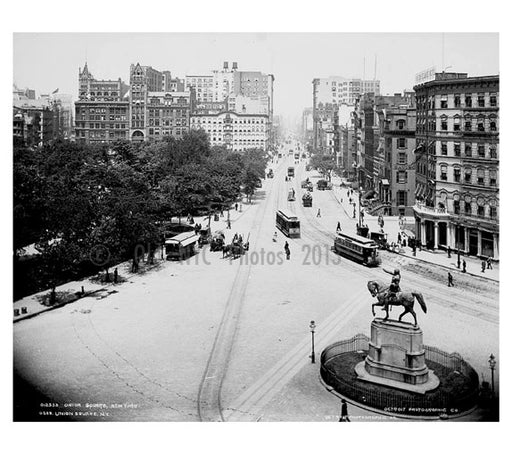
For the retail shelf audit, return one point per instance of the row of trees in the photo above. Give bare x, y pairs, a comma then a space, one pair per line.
72, 198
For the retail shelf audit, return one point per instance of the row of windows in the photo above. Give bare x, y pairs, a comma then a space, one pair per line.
481, 177
468, 124
483, 211
220, 122
177, 131
86, 125
481, 150
157, 122
103, 117
458, 100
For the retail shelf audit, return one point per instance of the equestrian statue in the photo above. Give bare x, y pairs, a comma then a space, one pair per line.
388, 296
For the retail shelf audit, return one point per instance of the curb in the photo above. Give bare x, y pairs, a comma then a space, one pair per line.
446, 267
56, 306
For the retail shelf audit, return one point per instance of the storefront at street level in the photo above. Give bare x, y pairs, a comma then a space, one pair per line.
437, 229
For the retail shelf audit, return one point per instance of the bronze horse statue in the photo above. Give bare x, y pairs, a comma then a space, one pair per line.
379, 290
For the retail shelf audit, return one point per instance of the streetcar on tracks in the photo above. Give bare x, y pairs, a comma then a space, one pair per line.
291, 172
291, 195
181, 246
357, 248
288, 223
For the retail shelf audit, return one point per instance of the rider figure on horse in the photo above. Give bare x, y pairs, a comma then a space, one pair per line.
394, 287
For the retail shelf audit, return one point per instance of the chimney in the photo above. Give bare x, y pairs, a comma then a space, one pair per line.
235, 66
226, 65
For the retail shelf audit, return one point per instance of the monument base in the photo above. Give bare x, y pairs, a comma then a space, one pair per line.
431, 383
396, 357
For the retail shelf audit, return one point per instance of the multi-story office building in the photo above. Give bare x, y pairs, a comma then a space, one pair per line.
370, 113
396, 182
457, 162
168, 114
102, 109
157, 108
238, 132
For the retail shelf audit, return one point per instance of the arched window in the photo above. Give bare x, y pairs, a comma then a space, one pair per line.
467, 123
493, 176
456, 174
480, 176
480, 123
444, 123
444, 172
493, 123
456, 123
467, 175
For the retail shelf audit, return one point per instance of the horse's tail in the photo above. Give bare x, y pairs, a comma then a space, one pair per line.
420, 299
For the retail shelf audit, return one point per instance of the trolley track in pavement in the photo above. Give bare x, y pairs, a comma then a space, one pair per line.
209, 396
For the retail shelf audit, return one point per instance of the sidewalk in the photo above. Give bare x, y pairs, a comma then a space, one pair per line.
392, 228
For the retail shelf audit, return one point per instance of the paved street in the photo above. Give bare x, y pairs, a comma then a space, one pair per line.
222, 339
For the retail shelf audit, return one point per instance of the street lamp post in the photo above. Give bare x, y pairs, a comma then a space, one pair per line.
312, 327
492, 366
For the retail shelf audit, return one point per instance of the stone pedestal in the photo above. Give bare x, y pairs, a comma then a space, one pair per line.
396, 357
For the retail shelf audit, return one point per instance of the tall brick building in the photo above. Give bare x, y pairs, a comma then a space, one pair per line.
457, 178
102, 109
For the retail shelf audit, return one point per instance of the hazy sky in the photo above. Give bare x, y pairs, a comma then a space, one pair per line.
46, 61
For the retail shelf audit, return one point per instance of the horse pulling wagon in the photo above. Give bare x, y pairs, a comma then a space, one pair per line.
307, 200
217, 242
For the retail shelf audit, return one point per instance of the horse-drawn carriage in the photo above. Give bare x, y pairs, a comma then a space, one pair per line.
380, 238
217, 242
204, 236
307, 199
235, 249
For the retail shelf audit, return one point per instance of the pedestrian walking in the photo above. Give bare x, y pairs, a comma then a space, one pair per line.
236, 206
287, 250
116, 276
338, 227
344, 411
463, 266
229, 224
399, 238
489, 263
483, 266
318, 215
274, 239
449, 250
450, 279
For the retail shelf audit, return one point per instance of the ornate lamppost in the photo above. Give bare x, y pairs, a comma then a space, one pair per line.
492, 366
312, 327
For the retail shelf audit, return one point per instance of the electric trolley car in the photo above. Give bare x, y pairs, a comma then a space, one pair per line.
288, 223
357, 248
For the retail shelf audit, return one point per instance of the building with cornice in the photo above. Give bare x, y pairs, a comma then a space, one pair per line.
457, 164
102, 109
